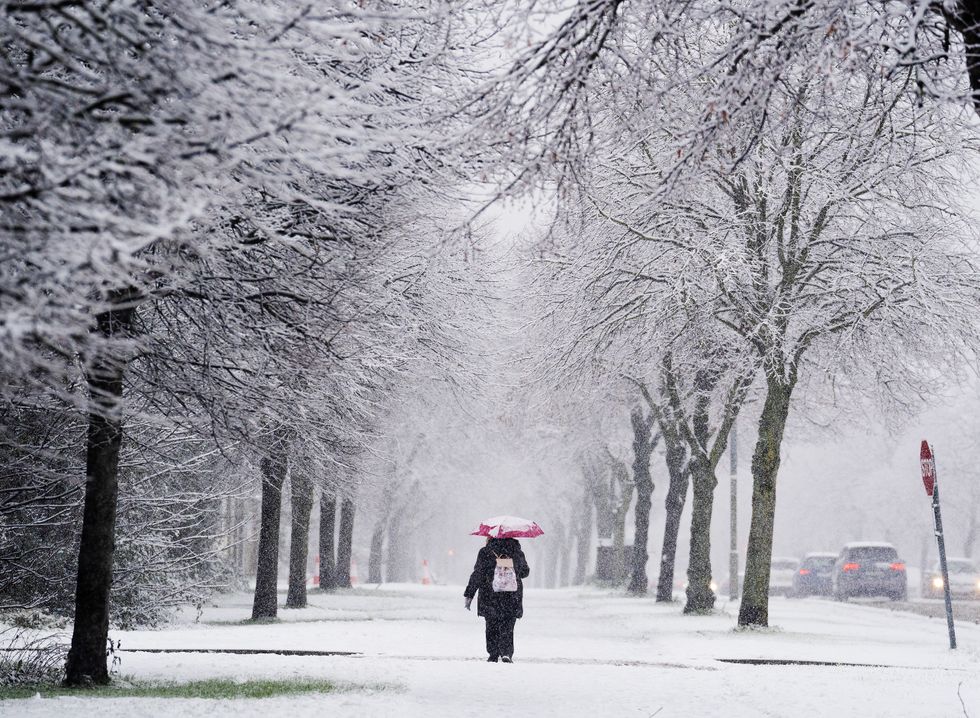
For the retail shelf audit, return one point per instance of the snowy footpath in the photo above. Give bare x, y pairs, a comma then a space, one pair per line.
580, 652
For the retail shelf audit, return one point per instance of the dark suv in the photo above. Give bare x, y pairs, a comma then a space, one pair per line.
813, 577
870, 569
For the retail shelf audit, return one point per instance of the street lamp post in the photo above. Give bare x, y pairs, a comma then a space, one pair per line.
733, 587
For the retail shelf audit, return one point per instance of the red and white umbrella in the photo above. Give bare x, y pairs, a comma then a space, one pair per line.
508, 527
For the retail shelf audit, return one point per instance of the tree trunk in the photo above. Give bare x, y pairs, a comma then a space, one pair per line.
972, 528
328, 562
299, 540
273, 468
552, 569
344, 543
625, 499
86, 663
583, 539
754, 610
395, 558
600, 485
375, 560
926, 539
643, 445
674, 507
700, 597
238, 554
564, 557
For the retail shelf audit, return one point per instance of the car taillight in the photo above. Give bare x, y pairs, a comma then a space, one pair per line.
804, 571
898, 566
852, 566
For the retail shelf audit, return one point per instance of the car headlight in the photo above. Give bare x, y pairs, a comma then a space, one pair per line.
937, 582
714, 586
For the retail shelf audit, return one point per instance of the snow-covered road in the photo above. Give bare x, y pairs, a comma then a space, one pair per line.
579, 653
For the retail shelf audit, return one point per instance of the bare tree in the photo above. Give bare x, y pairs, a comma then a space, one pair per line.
644, 444
583, 531
701, 407
167, 168
274, 470
345, 543
301, 503
678, 476
327, 539
831, 206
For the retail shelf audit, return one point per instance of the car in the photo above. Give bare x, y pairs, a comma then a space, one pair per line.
814, 576
866, 568
964, 580
682, 585
781, 573
725, 588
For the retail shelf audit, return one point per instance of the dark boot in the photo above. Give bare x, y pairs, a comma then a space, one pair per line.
493, 659
506, 659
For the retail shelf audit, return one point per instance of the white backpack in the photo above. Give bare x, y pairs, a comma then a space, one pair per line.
504, 578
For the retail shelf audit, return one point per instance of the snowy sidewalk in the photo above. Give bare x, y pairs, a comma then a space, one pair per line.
579, 653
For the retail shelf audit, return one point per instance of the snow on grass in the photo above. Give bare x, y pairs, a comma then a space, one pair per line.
213, 688
580, 652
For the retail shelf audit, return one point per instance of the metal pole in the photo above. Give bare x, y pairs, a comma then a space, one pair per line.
733, 587
942, 562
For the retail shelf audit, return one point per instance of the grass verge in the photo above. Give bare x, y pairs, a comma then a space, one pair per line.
218, 688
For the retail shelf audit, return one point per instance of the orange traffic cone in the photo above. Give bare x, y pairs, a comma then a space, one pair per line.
426, 577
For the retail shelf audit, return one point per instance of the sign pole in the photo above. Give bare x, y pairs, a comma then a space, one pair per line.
942, 565
931, 480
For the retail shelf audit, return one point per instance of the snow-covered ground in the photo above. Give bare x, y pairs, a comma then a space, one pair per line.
579, 653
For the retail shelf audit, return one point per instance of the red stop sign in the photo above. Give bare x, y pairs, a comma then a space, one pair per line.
928, 464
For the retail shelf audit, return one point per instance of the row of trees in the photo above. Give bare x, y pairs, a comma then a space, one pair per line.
220, 258
226, 252
765, 204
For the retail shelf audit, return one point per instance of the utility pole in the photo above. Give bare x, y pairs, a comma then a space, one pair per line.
733, 583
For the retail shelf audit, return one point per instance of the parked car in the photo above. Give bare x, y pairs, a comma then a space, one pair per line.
869, 569
781, 573
964, 579
682, 585
725, 587
814, 577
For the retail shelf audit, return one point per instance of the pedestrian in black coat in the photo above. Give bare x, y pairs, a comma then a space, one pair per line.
501, 609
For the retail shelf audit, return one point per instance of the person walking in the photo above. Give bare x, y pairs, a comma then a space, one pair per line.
498, 578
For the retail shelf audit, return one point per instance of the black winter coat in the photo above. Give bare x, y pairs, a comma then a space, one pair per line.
503, 604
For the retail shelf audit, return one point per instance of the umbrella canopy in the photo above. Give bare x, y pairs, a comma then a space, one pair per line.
508, 527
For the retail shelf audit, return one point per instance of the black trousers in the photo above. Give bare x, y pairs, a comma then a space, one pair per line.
500, 636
